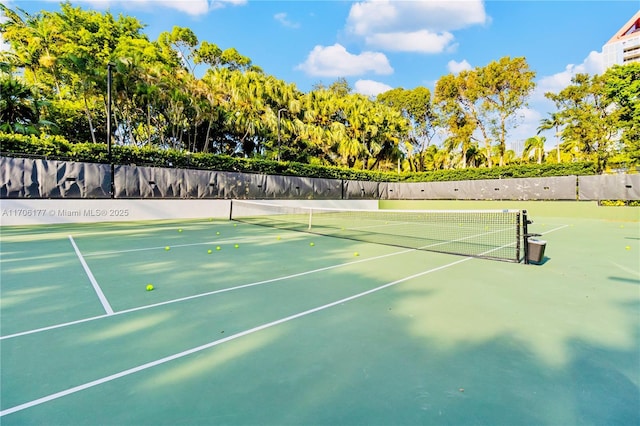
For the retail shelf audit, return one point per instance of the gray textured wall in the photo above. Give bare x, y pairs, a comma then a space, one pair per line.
35, 178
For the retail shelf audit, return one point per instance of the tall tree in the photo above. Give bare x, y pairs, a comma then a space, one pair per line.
622, 88
554, 121
490, 96
415, 106
456, 98
504, 88
589, 121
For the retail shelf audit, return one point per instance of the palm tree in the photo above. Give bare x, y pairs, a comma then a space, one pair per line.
554, 121
474, 156
84, 87
510, 156
442, 159
534, 144
18, 107
450, 145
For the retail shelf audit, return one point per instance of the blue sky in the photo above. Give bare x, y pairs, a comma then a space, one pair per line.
378, 45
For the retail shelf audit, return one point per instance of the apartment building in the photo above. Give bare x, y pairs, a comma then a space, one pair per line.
624, 46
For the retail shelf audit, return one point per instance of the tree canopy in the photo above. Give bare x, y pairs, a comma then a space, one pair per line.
183, 93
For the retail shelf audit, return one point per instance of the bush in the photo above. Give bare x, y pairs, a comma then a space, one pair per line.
619, 203
58, 148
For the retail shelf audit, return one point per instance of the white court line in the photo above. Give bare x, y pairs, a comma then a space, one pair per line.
214, 343
183, 354
94, 283
554, 229
79, 233
196, 296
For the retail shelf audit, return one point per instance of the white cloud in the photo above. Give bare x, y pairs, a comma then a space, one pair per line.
4, 46
367, 17
592, 64
335, 61
370, 87
284, 20
541, 107
374, 16
555, 83
416, 26
422, 41
190, 7
228, 2
456, 67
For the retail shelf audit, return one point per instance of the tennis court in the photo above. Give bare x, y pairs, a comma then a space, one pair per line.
252, 325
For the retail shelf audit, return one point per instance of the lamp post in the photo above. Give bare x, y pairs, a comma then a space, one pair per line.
279, 111
109, 154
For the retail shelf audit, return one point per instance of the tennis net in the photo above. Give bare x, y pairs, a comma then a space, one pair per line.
491, 234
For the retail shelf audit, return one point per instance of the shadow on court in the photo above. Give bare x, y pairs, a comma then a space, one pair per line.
385, 337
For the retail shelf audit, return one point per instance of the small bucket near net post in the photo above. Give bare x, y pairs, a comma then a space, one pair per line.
533, 248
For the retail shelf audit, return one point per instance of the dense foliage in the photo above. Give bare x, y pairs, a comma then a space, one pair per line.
56, 147
186, 97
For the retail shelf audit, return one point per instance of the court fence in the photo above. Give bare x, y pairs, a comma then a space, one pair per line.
50, 179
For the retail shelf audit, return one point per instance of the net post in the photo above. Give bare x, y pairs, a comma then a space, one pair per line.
525, 237
519, 231
231, 210
310, 218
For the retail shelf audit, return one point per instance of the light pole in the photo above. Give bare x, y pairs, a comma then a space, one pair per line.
279, 111
109, 154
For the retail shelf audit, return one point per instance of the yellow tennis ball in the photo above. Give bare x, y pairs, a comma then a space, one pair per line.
356, 254
627, 248
149, 287
236, 246
278, 237
311, 244
209, 251
180, 230
218, 248
217, 233
167, 248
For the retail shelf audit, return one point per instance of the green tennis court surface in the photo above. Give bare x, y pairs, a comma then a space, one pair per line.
277, 331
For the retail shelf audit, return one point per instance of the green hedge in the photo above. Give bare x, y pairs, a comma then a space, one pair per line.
58, 148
